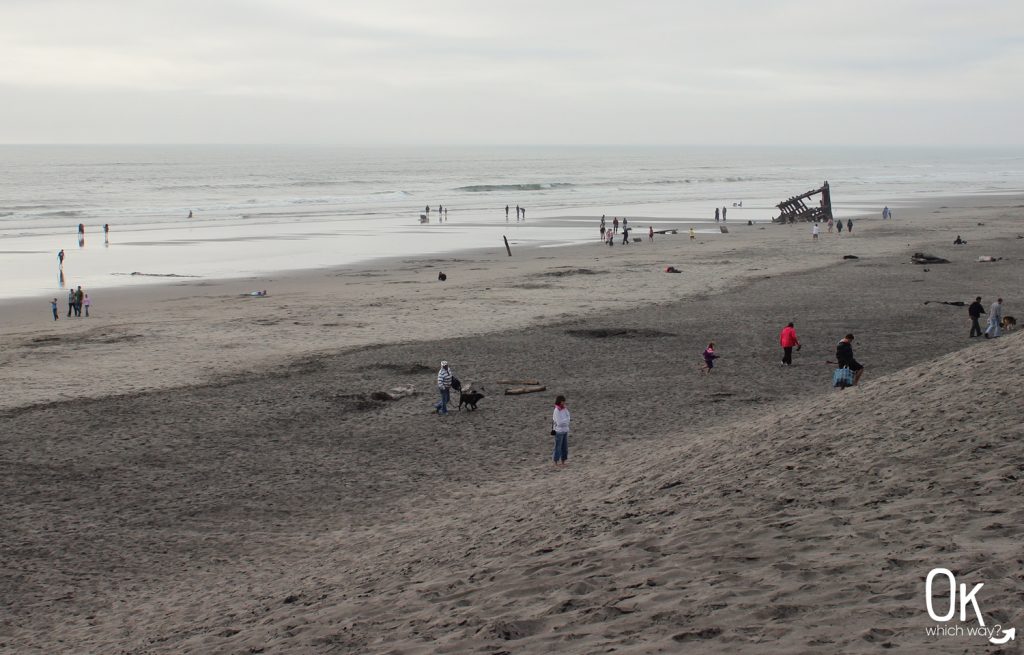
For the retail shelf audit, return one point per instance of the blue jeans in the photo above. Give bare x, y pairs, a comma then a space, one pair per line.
561, 446
442, 405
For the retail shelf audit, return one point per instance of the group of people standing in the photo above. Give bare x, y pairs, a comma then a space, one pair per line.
520, 211
78, 302
442, 213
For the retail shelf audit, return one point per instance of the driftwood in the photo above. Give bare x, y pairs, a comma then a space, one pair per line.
954, 303
394, 394
517, 391
526, 382
724, 229
924, 258
673, 232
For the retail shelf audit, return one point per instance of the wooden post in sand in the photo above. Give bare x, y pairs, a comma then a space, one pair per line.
507, 249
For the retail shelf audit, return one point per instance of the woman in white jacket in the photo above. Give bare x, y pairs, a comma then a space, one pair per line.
560, 430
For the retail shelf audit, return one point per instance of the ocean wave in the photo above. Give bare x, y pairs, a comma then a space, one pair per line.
63, 213
540, 186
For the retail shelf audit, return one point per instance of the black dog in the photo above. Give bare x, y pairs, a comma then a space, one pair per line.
469, 399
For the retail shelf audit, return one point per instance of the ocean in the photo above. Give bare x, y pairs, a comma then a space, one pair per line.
260, 209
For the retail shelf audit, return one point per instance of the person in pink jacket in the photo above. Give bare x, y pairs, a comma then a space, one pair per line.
787, 339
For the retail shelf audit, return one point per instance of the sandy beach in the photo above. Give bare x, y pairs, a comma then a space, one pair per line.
196, 470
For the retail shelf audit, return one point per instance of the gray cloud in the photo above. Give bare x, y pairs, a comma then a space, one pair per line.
322, 71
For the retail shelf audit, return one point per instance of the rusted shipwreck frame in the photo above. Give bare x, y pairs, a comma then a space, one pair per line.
797, 208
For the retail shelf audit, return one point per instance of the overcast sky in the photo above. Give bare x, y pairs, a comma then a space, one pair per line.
512, 72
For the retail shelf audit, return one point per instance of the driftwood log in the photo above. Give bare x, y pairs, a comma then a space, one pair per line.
518, 391
526, 382
395, 393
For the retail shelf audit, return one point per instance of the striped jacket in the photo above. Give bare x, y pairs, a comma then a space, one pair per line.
444, 378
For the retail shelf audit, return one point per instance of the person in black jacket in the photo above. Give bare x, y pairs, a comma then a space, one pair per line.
975, 311
844, 355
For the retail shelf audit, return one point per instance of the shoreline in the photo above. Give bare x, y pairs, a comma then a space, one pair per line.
194, 332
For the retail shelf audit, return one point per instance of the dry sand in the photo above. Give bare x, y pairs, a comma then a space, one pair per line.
193, 471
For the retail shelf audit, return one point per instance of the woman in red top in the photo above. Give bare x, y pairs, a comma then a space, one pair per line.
787, 340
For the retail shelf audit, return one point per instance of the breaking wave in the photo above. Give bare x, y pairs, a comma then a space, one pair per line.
541, 186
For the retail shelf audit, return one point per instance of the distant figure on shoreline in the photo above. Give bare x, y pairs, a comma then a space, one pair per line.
849, 226
53, 306
86, 303
723, 214
625, 235
839, 226
60, 258
602, 231
650, 233
625, 222
831, 224
615, 225
716, 215
709, 358
517, 213
886, 213
693, 234
190, 213
71, 301
106, 229
959, 242
524, 212
81, 228
506, 213
445, 214
814, 232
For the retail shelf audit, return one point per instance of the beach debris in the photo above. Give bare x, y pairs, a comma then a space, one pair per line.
796, 209
605, 333
954, 303
394, 393
507, 248
518, 391
666, 231
256, 294
724, 229
850, 257
424, 219
925, 258
988, 258
441, 276
522, 382
672, 269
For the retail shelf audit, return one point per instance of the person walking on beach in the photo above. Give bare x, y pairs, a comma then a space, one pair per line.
814, 232
444, 386
560, 431
85, 304
625, 233
844, 357
975, 311
60, 259
839, 226
615, 225
190, 213
625, 222
709, 358
693, 234
524, 213
995, 319
602, 231
723, 214
831, 224
650, 233
517, 213
849, 226
787, 339
886, 213
53, 306
716, 215
71, 301
506, 213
